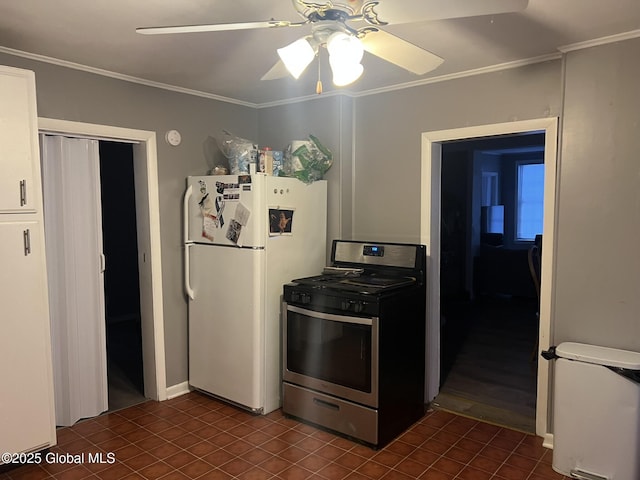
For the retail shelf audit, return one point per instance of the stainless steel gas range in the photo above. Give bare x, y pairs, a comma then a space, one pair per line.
354, 341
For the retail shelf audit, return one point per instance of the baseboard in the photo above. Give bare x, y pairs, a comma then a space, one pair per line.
547, 440
176, 390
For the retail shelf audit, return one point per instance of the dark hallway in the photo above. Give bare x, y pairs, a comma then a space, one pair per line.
122, 293
489, 304
491, 374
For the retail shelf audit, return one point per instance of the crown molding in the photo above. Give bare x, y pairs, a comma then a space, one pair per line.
467, 73
120, 76
619, 37
401, 86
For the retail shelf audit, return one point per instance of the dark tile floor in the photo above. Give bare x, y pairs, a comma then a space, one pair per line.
194, 436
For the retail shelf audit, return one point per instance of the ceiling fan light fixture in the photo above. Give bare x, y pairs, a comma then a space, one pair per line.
346, 74
297, 56
345, 48
345, 54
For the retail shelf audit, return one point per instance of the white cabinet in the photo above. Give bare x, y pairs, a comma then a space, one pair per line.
27, 420
25, 406
19, 156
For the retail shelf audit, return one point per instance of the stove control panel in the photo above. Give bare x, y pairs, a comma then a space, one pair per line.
380, 255
373, 251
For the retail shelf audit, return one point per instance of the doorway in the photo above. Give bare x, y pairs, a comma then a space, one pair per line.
123, 327
144, 165
492, 204
432, 144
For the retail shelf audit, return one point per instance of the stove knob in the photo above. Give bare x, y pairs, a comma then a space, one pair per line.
295, 297
305, 298
344, 305
357, 307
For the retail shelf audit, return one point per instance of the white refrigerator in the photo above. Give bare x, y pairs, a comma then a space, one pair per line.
245, 236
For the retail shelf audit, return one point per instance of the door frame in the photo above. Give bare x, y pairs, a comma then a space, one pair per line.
430, 216
145, 164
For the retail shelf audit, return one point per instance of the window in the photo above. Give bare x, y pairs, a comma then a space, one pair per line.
530, 200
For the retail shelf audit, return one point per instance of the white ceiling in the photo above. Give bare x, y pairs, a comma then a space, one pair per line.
100, 34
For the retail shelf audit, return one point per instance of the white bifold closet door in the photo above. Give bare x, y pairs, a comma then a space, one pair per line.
75, 266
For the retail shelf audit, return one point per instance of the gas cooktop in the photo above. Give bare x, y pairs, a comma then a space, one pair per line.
363, 283
368, 268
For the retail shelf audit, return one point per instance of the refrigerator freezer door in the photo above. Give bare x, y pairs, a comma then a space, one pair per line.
225, 323
297, 246
225, 210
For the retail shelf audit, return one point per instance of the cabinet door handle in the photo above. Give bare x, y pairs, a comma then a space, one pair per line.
23, 193
26, 237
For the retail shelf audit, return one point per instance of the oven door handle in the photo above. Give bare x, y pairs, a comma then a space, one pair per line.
330, 316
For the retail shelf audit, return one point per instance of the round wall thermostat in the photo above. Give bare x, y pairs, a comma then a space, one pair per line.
173, 137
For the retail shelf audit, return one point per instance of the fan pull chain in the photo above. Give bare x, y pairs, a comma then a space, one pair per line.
319, 84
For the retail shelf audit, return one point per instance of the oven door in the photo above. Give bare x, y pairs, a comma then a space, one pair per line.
333, 354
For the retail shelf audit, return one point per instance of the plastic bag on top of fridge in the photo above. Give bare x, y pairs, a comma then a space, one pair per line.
307, 160
240, 152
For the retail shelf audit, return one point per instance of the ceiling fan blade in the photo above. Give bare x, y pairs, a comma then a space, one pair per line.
276, 72
409, 11
400, 52
217, 27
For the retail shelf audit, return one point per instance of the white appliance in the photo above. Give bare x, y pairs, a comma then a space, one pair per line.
596, 421
244, 237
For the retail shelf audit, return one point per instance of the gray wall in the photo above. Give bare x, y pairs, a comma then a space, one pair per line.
83, 97
597, 296
388, 130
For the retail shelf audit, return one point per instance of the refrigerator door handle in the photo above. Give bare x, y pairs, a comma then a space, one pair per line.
185, 231
185, 214
187, 283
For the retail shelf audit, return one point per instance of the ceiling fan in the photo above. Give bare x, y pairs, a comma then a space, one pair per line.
347, 28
